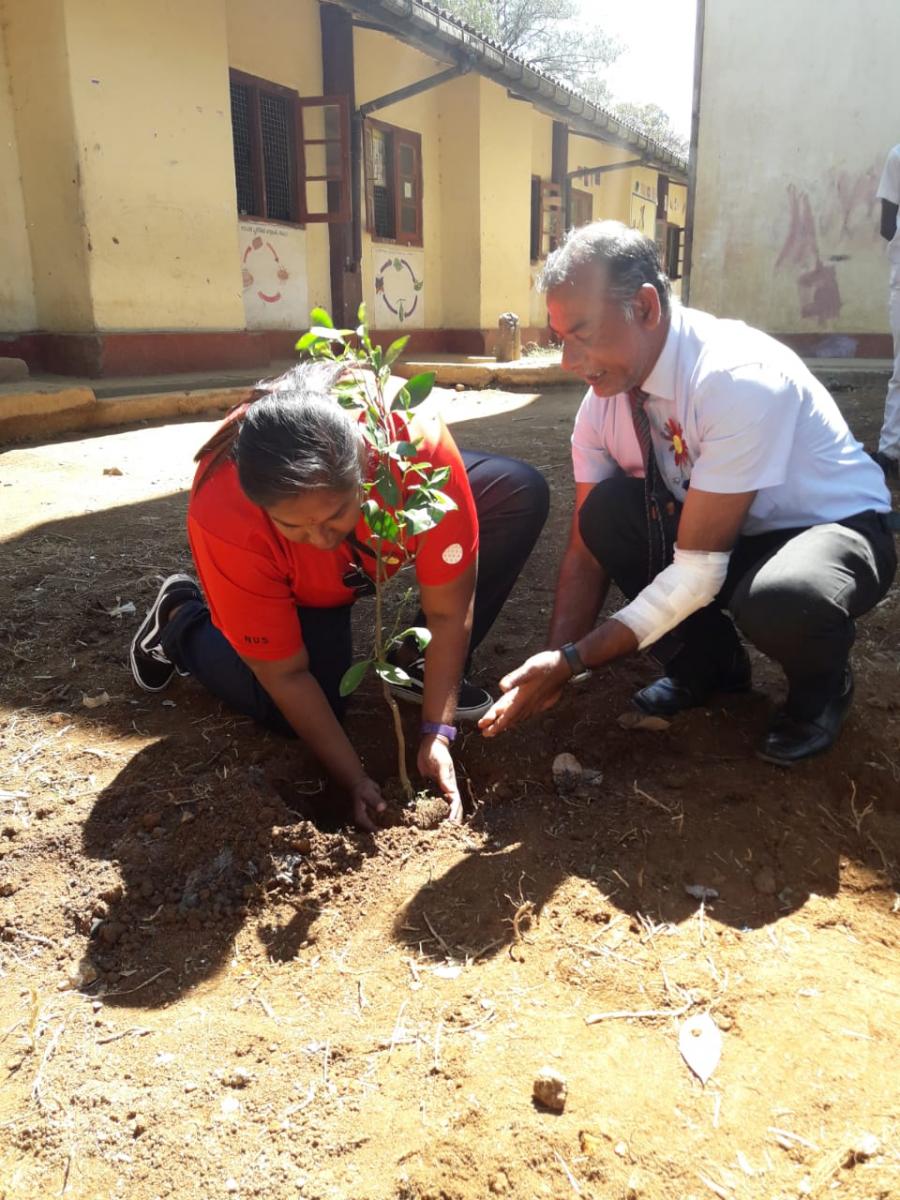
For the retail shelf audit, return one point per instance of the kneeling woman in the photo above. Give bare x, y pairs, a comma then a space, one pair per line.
279, 543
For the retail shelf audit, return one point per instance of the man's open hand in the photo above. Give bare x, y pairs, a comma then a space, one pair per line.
530, 689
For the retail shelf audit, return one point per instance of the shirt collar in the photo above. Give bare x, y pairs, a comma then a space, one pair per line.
661, 380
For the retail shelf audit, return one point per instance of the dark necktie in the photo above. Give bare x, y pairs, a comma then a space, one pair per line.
656, 531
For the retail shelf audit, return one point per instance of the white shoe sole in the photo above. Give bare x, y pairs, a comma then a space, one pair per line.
149, 630
414, 696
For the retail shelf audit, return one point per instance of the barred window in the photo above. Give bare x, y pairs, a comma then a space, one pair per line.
281, 172
393, 183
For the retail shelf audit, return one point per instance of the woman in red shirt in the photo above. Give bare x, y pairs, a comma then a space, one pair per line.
279, 543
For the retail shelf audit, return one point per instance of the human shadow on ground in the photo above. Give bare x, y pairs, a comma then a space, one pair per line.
680, 816
197, 850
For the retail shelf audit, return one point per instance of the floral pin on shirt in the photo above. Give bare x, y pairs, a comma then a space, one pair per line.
674, 435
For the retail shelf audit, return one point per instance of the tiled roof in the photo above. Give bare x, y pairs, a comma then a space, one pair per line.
424, 22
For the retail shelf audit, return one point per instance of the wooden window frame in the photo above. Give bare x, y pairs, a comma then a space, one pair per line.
578, 198
674, 253
411, 138
338, 184
553, 219
536, 220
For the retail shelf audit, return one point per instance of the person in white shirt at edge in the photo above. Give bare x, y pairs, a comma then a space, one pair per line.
888, 453
784, 524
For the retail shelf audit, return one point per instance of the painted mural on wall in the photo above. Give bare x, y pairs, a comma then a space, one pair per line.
643, 210
273, 269
399, 288
828, 224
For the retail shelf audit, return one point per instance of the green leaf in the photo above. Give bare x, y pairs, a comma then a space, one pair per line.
418, 520
321, 316
395, 350
361, 313
438, 477
421, 634
381, 522
387, 485
403, 449
354, 676
419, 388
391, 674
307, 341
418, 468
328, 334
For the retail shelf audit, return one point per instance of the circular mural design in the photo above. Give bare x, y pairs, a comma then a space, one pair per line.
398, 287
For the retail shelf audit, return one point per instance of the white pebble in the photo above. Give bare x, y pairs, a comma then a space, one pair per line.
866, 1146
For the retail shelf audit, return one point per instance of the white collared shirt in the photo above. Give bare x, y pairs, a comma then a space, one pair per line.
889, 189
733, 410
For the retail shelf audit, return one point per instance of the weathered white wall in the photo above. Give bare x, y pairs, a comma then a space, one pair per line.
800, 104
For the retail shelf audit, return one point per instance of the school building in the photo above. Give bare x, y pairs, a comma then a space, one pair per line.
181, 182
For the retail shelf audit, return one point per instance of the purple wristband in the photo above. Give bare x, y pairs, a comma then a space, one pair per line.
447, 731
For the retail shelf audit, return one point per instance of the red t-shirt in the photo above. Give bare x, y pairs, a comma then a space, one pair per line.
254, 577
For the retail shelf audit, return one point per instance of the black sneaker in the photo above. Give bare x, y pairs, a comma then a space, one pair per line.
472, 702
151, 668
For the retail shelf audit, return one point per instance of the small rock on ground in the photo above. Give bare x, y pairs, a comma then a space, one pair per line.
550, 1089
764, 881
13, 370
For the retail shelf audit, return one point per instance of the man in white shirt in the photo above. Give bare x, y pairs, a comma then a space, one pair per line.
713, 472
888, 453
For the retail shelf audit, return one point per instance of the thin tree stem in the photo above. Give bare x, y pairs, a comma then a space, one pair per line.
401, 743
380, 580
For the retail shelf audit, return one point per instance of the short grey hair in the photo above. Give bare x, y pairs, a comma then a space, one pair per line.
629, 258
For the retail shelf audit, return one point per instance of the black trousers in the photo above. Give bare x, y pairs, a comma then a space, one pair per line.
794, 593
511, 500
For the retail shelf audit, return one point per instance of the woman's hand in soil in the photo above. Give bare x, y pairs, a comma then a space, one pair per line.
367, 801
528, 690
436, 763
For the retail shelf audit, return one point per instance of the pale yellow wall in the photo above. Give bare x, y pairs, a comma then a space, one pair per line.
281, 41
677, 212
799, 108
149, 85
383, 65
505, 134
541, 144
50, 162
613, 194
17, 308
461, 210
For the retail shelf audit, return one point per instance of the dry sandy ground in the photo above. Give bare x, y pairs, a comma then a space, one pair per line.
209, 987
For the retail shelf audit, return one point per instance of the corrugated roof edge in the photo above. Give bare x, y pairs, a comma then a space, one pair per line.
449, 29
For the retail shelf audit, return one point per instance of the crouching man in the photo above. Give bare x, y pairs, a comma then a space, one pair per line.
713, 475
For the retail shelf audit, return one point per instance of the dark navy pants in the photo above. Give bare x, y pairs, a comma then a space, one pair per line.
511, 500
794, 593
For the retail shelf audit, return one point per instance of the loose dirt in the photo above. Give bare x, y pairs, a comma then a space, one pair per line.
210, 986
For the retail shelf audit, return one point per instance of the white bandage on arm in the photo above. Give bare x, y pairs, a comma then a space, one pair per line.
690, 583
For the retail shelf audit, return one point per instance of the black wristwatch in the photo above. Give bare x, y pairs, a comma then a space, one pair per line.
579, 671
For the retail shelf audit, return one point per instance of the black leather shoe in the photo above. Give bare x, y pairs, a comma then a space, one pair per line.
670, 695
790, 740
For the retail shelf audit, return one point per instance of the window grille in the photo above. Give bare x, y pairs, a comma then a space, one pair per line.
243, 156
